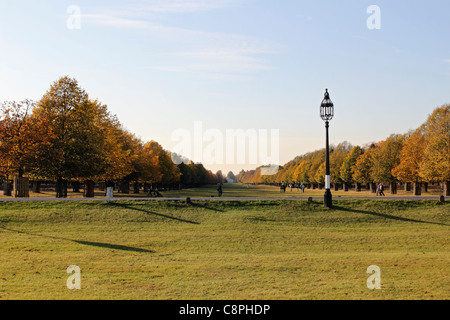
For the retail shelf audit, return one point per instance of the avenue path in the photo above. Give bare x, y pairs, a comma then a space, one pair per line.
46, 199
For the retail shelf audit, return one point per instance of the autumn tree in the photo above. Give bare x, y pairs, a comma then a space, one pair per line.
435, 165
317, 163
118, 154
231, 176
20, 133
220, 175
168, 170
301, 173
386, 158
76, 140
319, 177
362, 170
348, 166
337, 157
411, 158
185, 175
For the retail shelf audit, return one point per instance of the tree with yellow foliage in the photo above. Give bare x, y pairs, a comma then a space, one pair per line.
435, 165
76, 148
20, 133
410, 160
362, 169
347, 167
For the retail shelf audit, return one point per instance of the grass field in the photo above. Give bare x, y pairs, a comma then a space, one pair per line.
225, 250
241, 190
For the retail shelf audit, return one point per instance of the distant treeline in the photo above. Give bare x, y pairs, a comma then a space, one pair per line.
68, 137
417, 157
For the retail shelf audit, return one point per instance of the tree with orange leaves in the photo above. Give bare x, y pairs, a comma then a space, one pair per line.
435, 165
411, 158
20, 134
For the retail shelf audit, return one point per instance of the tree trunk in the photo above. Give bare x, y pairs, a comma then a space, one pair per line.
21, 188
425, 187
7, 188
89, 189
346, 187
358, 187
373, 187
446, 188
76, 186
408, 186
61, 188
36, 187
136, 188
336, 187
417, 189
393, 187
124, 187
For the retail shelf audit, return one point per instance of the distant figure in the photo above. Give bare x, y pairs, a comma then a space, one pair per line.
303, 187
150, 191
219, 189
381, 190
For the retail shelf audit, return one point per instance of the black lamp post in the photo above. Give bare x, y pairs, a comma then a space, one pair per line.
327, 113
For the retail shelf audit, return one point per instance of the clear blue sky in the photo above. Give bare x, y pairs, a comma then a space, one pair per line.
161, 65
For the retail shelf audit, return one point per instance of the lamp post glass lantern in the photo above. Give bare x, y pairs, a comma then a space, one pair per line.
327, 113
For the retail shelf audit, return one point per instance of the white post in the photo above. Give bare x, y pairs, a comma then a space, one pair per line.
109, 194
327, 182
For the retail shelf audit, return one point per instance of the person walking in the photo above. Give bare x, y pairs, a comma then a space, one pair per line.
219, 189
381, 190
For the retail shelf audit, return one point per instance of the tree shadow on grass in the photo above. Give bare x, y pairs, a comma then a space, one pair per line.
387, 216
152, 213
110, 246
86, 243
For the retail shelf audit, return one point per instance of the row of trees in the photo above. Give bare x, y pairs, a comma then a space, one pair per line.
416, 158
66, 136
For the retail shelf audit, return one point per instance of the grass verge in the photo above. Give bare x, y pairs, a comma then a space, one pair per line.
225, 250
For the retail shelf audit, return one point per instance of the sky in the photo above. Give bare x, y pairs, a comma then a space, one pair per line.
166, 65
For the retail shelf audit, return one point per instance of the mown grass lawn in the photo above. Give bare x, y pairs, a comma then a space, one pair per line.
225, 250
241, 190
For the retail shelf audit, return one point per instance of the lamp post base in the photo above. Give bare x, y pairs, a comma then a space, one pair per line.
328, 199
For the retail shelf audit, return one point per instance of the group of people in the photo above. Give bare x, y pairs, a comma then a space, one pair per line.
380, 190
380, 187
292, 186
154, 192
